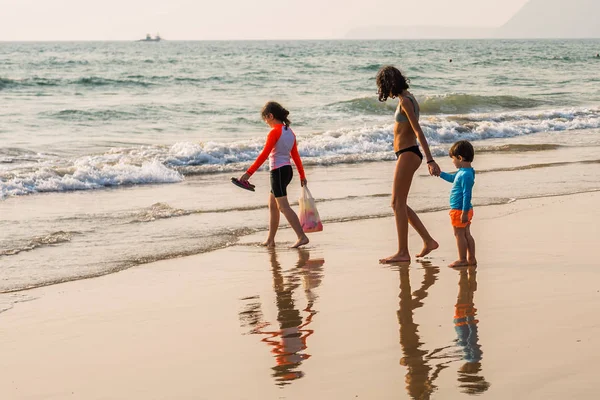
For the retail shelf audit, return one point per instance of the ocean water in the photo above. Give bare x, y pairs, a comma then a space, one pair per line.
117, 154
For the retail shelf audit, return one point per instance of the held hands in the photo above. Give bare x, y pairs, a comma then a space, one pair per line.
434, 169
303, 182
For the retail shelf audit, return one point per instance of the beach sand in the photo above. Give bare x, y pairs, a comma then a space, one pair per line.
329, 321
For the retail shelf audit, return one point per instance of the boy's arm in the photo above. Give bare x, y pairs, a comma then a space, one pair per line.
272, 139
447, 177
298, 161
467, 186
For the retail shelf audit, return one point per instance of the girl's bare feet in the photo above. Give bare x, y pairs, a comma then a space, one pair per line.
428, 247
471, 261
301, 242
268, 243
396, 258
459, 263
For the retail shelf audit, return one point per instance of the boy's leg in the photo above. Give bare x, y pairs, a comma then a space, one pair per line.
273, 221
470, 247
461, 244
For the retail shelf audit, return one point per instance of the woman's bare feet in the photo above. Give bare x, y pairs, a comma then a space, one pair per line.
301, 242
459, 263
268, 243
428, 247
396, 258
472, 262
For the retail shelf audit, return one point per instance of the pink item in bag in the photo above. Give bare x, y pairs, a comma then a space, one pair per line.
309, 216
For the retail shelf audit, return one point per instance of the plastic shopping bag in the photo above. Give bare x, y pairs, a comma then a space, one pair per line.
309, 216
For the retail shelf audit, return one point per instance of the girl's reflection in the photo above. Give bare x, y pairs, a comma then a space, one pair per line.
465, 323
288, 342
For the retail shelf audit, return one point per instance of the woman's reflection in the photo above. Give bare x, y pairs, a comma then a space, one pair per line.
465, 322
288, 341
419, 375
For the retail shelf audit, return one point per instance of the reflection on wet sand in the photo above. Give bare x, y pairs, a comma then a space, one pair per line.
420, 376
465, 322
288, 341
424, 366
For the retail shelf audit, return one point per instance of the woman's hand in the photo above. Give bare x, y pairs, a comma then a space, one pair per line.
303, 182
434, 169
244, 178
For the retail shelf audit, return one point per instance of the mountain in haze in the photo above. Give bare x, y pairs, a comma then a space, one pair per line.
554, 19
537, 19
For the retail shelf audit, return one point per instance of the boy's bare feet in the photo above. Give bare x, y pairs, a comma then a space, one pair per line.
428, 247
268, 243
472, 262
459, 263
396, 258
301, 242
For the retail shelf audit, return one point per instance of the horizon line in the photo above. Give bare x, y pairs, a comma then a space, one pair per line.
298, 40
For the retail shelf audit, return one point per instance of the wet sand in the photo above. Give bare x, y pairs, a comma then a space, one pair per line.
329, 322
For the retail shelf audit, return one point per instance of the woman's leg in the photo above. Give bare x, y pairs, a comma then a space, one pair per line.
406, 166
429, 244
290, 215
273, 221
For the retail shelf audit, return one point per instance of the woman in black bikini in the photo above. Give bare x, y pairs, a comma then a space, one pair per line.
391, 83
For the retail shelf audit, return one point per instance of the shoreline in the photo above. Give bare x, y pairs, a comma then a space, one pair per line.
241, 238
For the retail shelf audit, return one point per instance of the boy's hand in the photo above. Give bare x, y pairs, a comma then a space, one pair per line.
464, 218
303, 182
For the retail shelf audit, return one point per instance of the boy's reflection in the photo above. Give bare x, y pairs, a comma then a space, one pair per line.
465, 323
419, 375
288, 342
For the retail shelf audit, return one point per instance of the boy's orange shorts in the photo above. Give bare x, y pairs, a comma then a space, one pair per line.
456, 218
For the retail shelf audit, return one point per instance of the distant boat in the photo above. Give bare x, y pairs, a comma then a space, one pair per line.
149, 38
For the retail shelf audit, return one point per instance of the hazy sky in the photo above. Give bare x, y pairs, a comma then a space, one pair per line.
235, 19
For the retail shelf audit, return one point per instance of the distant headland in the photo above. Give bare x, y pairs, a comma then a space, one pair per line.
538, 19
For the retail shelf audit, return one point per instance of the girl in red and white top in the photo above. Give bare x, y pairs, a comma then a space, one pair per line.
279, 148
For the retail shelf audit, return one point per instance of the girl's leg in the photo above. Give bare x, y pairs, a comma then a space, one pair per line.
290, 215
461, 243
428, 243
470, 247
406, 166
273, 221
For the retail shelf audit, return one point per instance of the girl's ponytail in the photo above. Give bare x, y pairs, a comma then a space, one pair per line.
278, 112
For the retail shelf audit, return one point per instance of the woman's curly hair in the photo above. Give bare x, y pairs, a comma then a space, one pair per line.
390, 82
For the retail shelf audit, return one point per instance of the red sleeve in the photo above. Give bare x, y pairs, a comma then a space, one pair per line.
297, 161
272, 139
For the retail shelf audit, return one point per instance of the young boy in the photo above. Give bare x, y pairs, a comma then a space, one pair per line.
461, 209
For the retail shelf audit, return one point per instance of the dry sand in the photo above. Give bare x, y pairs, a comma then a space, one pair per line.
329, 322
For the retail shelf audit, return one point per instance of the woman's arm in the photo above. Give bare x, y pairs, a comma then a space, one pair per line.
409, 110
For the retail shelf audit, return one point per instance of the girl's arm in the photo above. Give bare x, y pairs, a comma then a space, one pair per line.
409, 109
298, 161
272, 139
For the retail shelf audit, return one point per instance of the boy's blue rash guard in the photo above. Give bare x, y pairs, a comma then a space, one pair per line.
462, 188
